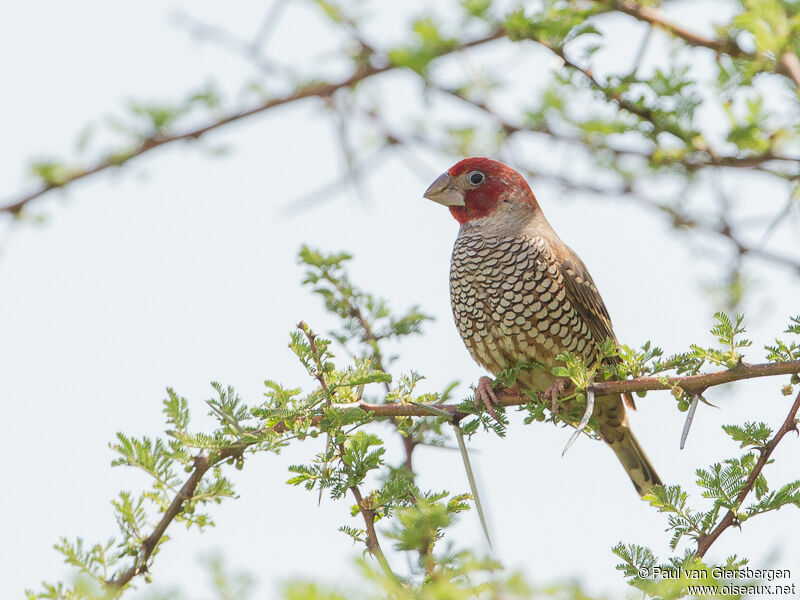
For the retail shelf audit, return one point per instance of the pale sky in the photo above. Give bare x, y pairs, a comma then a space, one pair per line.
181, 269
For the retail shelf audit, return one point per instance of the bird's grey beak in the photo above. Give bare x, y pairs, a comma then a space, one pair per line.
443, 192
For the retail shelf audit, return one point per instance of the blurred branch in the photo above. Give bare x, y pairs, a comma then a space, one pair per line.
678, 218
788, 63
315, 90
268, 23
730, 518
208, 32
724, 230
371, 61
326, 191
690, 163
656, 18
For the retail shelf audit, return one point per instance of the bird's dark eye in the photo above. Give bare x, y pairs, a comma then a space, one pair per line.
476, 178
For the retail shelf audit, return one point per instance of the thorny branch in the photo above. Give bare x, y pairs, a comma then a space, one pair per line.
690, 383
730, 518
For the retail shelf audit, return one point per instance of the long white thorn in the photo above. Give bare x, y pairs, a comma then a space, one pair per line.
467, 465
587, 414
689, 418
471, 478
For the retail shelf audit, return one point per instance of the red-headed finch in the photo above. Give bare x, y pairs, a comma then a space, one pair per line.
520, 294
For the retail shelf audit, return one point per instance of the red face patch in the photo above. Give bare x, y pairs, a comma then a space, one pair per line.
499, 181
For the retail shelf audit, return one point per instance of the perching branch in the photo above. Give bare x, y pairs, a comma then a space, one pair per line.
691, 383
730, 518
697, 384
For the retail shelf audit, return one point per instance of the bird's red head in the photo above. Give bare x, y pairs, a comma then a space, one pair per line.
475, 187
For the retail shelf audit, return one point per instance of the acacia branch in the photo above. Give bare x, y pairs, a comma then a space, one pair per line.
697, 384
730, 518
691, 383
409, 443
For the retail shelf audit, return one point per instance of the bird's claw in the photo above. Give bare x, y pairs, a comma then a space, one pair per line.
486, 398
555, 391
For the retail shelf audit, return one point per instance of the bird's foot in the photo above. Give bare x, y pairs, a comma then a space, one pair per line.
555, 391
486, 398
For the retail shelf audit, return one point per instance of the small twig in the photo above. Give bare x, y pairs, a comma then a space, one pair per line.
587, 414
268, 25
201, 465
776, 221
409, 443
642, 49
327, 191
373, 546
372, 542
789, 424
689, 418
656, 18
787, 65
208, 32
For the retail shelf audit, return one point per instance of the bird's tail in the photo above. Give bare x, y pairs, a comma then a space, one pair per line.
617, 434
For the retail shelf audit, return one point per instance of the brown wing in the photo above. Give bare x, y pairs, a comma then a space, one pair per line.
583, 294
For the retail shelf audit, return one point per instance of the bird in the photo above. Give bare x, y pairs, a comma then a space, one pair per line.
520, 294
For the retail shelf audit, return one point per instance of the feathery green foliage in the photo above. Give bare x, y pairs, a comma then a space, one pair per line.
352, 463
